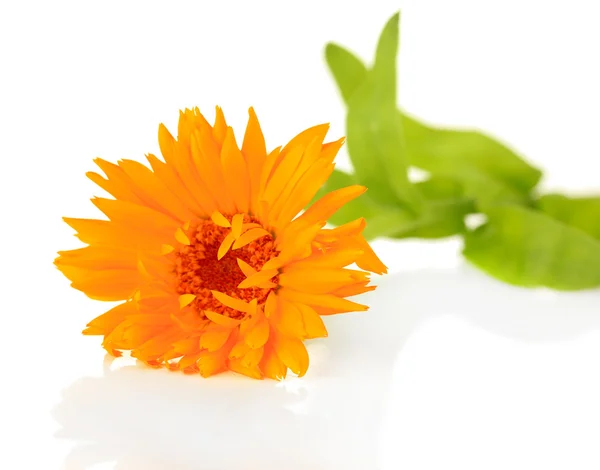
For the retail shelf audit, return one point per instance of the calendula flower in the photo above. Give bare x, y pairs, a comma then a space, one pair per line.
206, 251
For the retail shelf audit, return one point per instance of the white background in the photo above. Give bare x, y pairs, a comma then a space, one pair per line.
448, 369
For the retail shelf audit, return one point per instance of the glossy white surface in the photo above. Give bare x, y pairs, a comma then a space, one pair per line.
449, 369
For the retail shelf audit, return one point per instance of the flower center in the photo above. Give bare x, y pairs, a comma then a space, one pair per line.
199, 271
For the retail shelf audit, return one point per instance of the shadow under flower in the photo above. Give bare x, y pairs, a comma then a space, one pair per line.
330, 419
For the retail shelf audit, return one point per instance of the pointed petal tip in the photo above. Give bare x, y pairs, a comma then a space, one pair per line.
181, 237
186, 299
166, 249
220, 220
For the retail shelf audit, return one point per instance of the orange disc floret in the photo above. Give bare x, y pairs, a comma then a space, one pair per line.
198, 270
214, 268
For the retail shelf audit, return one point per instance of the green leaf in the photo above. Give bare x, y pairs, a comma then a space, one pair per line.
347, 69
490, 172
362, 206
485, 190
440, 188
442, 215
470, 156
375, 144
528, 248
444, 212
382, 221
582, 213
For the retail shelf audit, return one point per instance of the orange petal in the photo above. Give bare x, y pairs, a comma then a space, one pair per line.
255, 152
237, 365
313, 323
246, 268
211, 363
154, 268
233, 303
207, 157
166, 143
116, 183
186, 299
369, 261
259, 335
305, 137
292, 353
222, 319
154, 348
353, 289
98, 257
236, 225
281, 176
331, 149
107, 285
289, 320
258, 279
309, 157
181, 237
271, 305
337, 304
273, 263
220, 127
177, 155
157, 319
252, 358
152, 191
187, 346
166, 249
249, 237
239, 349
225, 245
298, 244
214, 339
188, 360
268, 168
328, 205
354, 227
321, 280
234, 166
338, 257
107, 233
108, 321
304, 191
168, 175
220, 220
271, 365
135, 215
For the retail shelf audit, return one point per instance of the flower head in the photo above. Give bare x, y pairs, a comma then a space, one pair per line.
214, 267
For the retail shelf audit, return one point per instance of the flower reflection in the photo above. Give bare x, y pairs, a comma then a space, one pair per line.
327, 420
336, 417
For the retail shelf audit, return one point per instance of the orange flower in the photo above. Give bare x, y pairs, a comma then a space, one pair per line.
215, 269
